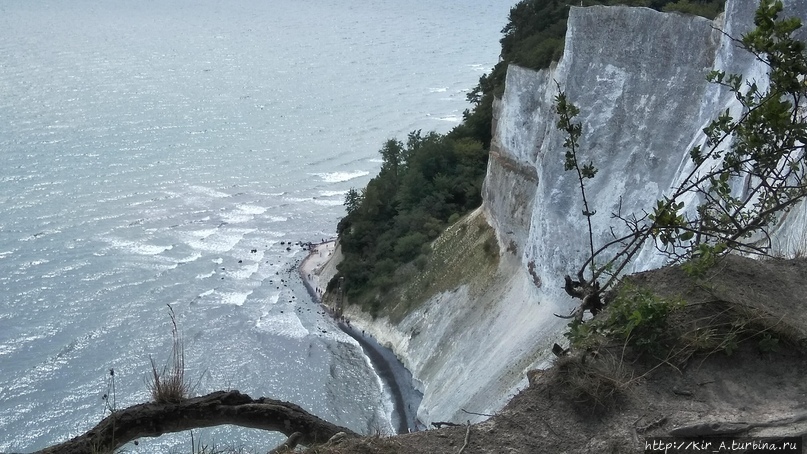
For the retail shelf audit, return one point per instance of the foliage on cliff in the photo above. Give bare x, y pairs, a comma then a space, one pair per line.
432, 180
423, 185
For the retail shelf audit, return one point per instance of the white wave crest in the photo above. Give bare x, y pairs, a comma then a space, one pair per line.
338, 177
236, 217
328, 203
136, 247
251, 209
208, 192
220, 240
284, 324
234, 298
245, 272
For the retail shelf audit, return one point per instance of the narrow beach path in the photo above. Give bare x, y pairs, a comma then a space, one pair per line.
398, 380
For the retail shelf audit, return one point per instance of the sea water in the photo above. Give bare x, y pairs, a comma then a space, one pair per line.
174, 152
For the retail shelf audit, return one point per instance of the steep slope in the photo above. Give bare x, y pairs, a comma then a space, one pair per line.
639, 78
750, 393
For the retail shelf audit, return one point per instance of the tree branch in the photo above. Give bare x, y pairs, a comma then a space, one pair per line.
218, 408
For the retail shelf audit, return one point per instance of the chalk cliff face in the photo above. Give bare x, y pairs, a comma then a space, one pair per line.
638, 77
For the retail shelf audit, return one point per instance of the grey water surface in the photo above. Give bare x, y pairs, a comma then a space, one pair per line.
173, 152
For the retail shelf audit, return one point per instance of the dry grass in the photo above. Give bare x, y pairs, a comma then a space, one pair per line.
169, 385
593, 380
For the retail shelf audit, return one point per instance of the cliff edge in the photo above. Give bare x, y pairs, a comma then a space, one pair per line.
748, 391
639, 78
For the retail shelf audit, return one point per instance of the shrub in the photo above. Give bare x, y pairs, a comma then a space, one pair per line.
636, 317
709, 10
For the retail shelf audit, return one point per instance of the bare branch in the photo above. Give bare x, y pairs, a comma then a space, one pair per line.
155, 419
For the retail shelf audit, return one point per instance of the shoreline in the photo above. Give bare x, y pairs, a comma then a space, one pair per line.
396, 377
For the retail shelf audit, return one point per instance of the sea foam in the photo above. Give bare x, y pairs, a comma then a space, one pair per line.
338, 177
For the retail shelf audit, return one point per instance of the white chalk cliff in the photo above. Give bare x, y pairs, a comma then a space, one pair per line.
638, 77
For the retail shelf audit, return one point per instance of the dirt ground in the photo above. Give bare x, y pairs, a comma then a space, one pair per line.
751, 392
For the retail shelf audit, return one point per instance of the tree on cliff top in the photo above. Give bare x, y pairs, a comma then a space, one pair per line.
751, 171
421, 186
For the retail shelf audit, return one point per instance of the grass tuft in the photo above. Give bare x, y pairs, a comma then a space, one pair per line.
169, 384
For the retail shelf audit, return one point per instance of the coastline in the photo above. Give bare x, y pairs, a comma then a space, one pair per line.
396, 377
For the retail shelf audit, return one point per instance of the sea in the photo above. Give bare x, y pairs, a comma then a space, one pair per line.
163, 156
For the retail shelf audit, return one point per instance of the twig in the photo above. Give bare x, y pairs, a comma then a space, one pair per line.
440, 424
550, 428
477, 414
467, 434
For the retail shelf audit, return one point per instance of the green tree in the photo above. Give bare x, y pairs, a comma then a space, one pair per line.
393, 159
353, 200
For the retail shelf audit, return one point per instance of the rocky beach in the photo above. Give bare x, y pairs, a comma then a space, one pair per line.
316, 270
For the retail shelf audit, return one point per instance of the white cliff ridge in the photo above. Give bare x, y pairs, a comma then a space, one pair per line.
639, 78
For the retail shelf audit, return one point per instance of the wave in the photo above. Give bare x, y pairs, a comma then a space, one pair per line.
65, 269
203, 233
26, 265
13, 345
215, 240
339, 177
244, 273
138, 247
205, 276
236, 217
328, 203
285, 324
251, 209
208, 191
97, 276
316, 201
191, 258
233, 298
41, 234
331, 193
